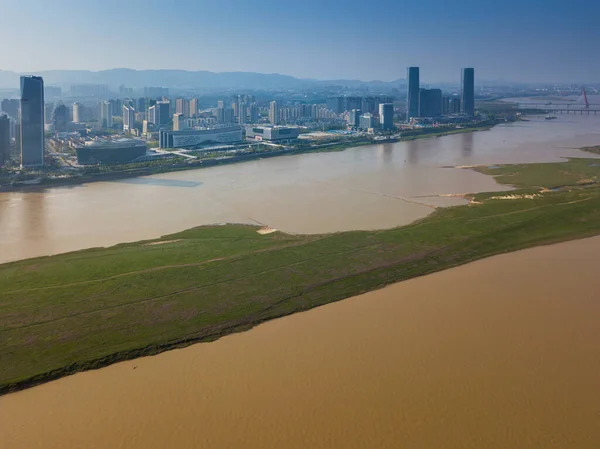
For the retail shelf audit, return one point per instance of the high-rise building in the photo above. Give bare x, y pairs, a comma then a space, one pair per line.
182, 106
468, 91
242, 113
274, 113
253, 113
455, 105
141, 104
367, 121
78, 113
105, 116
48, 113
128, 117
32, 121
194, 107
412, 92
178, 122
61, 117
336, 104
228, 116
386, 116
430, 103
11, 107
354, 118
4, 139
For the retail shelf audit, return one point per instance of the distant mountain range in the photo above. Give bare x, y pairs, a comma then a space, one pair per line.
185, 79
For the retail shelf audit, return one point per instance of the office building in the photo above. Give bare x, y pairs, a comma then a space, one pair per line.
430, 103
78, 113
386, 116
182, 106
4, 139
366, 121
274, 113
105, 114
194, 138
194, 107
354, 118
32, 121
128, 117
468, 92
412, 92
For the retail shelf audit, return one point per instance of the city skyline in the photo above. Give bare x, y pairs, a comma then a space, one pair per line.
502, 41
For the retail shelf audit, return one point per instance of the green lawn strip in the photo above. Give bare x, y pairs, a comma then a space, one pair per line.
56, 319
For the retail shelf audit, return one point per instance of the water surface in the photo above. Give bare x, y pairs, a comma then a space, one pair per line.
371, 187
487, 355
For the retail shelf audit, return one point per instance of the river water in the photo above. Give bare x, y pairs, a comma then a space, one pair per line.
487, 355
370, 187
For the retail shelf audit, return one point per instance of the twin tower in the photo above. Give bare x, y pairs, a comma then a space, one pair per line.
467, 95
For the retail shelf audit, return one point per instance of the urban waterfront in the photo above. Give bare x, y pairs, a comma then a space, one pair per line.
369, 187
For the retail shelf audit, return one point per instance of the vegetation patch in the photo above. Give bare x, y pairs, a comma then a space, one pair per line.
90, 308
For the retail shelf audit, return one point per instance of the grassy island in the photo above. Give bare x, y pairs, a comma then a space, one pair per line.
87, 309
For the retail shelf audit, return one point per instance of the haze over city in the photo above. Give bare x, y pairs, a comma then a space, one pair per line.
529, 41
287, 225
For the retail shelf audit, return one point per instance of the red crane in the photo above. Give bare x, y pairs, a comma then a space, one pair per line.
585, 100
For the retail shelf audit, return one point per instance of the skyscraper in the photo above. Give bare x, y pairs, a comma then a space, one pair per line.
468, 92
128, 117
4, 139
274, 113
386, 116
412, 92
32, 121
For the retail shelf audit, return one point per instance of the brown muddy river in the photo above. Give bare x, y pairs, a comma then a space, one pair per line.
500, 353
370, 187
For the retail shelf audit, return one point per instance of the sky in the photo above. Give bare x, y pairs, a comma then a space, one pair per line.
508, 40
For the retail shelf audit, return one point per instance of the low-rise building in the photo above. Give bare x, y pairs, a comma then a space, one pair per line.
275, 134
196, 137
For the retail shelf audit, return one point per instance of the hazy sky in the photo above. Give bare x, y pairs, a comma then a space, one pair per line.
526, 40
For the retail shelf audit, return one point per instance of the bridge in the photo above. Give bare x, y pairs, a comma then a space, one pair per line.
562, 108
581, 107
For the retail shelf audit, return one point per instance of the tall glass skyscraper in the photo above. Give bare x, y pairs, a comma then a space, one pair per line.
32, 121
468, 92
412, 94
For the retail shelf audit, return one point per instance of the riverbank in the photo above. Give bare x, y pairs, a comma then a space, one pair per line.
158, 169
137, 299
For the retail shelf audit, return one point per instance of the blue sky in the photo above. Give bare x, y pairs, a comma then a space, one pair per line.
525, 40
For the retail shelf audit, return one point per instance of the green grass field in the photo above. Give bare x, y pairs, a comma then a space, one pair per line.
90, 308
